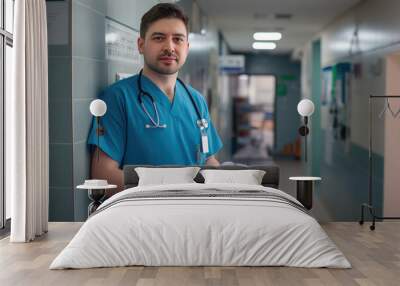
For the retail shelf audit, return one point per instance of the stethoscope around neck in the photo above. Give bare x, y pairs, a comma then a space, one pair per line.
202, 123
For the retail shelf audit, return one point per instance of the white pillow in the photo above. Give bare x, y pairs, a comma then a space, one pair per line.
248, 177
163, 176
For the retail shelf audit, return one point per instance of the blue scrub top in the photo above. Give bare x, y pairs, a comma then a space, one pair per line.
127, 141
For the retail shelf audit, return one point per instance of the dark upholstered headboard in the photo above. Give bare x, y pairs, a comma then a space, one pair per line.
270, 179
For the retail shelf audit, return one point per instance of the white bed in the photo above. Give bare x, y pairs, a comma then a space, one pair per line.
245, 225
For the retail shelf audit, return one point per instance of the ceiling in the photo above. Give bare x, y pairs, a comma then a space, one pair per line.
239, 19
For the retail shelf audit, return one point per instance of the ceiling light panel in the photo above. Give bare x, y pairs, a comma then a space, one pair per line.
264, 46
267, 36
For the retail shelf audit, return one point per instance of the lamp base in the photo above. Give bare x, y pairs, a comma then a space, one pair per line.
95, 195
303, 130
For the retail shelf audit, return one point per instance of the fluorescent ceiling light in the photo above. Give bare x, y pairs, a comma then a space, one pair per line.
264, 36
264, 45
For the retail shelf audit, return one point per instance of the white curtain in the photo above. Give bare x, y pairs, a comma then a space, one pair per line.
27, 143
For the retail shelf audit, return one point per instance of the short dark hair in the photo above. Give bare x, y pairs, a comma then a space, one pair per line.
162, 11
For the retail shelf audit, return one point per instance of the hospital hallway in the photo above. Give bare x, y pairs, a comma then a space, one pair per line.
337, 54
303, 85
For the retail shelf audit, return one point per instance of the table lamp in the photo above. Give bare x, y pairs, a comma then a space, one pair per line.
98, 108
305, 108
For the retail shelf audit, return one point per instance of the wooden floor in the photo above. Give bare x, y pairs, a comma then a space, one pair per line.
375, 257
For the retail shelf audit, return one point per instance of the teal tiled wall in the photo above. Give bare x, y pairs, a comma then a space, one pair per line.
88, 79
61, 203
60, 131
344, 185
315, 146
78, 71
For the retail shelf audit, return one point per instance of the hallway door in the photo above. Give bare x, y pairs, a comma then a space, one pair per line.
254, 118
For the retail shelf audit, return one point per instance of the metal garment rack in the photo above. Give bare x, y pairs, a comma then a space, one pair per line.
369, 205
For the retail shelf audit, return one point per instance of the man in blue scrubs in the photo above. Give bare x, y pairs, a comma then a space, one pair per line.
164, 134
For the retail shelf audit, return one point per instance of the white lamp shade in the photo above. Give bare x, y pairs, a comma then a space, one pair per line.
305, 107
98, 107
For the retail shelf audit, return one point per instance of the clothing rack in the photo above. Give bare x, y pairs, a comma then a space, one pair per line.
369, 205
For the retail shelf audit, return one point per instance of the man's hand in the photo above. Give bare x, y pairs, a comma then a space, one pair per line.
211, 161
107, 169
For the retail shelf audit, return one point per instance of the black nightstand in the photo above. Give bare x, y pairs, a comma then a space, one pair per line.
305, 187
95, 194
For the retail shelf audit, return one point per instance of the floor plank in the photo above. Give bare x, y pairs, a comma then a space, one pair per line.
375, 257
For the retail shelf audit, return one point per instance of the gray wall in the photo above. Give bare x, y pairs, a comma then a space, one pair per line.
287, 73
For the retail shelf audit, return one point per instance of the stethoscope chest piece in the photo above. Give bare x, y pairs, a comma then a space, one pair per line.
202, 124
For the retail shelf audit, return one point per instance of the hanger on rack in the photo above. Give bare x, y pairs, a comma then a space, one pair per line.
388, 107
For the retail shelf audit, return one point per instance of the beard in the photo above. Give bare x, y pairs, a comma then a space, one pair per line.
159, 67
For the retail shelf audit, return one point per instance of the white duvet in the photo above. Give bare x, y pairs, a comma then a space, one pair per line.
200, 231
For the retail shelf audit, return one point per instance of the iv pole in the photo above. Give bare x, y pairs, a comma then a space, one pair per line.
369, 205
